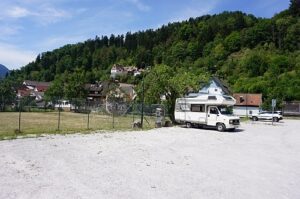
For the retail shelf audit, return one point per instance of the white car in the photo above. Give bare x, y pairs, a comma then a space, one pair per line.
266, 115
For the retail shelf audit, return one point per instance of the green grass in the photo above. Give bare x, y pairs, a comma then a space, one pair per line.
244, 119
38, 123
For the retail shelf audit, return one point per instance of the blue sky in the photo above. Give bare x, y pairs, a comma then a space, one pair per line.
29, 27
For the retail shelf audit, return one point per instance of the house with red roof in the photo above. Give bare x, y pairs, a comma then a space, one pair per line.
34, 89
247, 104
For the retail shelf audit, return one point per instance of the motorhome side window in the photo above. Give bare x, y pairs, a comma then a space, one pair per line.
182, 107
197, 108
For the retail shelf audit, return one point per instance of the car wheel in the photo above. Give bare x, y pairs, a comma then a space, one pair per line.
220, 127
188, 125
254, 118
275, 119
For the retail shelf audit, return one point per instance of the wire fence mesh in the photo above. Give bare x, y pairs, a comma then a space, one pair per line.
26, 117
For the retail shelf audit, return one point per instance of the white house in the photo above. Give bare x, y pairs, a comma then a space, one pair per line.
247, 104
117, 70
214, 86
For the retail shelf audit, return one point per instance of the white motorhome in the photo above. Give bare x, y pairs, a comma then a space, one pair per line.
207, 110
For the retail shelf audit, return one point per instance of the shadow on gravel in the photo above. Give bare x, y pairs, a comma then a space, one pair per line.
236, 131
212, 128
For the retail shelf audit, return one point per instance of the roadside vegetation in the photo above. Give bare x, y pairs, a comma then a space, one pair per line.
38, 123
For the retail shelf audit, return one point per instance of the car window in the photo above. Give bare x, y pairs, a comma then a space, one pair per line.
213, 110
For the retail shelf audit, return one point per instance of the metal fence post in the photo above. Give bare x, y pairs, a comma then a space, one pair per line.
19, 116
133, 114
88, 121
58, 124
143, 95
113, 120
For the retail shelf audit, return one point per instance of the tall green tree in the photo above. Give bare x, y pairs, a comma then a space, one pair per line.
295, 7
7, 94
56, 89
74, 85
171, 83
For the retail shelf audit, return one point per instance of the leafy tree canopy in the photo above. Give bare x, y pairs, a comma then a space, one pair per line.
170, 83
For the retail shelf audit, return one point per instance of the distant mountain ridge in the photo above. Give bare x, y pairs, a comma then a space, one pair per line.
3, 71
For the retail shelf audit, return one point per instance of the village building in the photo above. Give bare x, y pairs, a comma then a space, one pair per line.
96, 93
291, 108
120, 70
117, 70
33, 89
64, 105
107, 93
247, 104
214, 86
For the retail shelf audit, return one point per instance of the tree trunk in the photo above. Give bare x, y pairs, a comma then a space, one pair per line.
171, 99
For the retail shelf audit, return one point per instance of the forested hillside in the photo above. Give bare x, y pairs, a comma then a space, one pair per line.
255, 55
3, 71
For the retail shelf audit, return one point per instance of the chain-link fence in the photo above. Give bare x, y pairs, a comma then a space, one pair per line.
28, 117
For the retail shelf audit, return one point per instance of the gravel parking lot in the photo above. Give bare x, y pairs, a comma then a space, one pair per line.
257, 161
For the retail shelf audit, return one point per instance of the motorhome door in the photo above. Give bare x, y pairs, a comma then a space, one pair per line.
212, 115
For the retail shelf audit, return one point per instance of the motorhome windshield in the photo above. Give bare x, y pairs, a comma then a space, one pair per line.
225, 110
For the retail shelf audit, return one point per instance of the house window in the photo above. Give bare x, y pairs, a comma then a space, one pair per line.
242, 99
197, 108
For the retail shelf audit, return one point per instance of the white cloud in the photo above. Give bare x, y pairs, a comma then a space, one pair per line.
47, 14
7, 31
13, 57
140, 5
43, 14
17, 12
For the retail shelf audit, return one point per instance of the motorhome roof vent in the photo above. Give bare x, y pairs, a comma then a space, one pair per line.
212, 98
